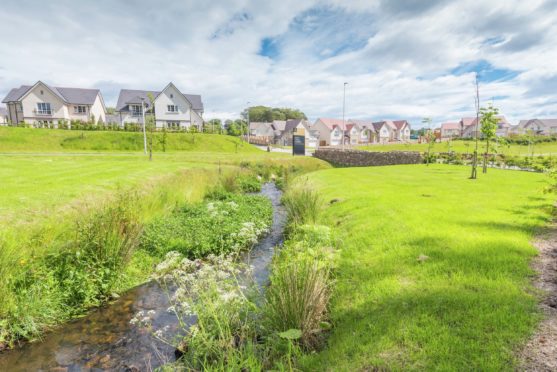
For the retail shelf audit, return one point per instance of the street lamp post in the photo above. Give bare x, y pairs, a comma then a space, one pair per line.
248, 122
144, 131
343, 112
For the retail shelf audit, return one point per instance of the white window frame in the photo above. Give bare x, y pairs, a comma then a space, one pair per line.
172, 109
80, 109
44, 108
173, 124
135, 110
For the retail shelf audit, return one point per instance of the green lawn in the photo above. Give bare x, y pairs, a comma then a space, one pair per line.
467, 304
51, 140
546, 148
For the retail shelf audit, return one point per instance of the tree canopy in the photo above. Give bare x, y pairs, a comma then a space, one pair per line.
268, 114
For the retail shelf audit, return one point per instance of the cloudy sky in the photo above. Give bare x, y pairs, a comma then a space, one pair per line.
401, 58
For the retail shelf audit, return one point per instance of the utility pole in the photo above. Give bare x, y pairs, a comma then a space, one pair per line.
144, 131
474, 174
343, 112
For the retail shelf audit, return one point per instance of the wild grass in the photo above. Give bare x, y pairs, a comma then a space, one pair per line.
303, 204
434, 269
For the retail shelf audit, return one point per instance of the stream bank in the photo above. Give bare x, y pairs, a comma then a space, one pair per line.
104, 339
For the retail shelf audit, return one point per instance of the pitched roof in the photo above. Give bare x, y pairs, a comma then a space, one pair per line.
291, 124
450, 126
332, 123
133, 96
279, 125
399, 124
77, 96
467, 121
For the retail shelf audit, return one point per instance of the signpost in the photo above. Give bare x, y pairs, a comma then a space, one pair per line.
298, 142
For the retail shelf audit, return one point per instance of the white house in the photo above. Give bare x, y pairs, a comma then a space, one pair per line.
402, 130
331, 131
172, 108
385, 131
44, 105
545, 127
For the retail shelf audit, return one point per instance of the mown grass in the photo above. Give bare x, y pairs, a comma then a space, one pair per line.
545, 148
51, 140
434, 270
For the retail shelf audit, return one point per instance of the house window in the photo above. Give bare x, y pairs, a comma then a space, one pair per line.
80, 109
171, 95
136, 110
43, 108
173, 124
172, 108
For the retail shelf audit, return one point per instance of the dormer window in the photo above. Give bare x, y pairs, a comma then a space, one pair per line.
172, 108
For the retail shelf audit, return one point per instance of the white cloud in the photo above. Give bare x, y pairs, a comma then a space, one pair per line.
396, 55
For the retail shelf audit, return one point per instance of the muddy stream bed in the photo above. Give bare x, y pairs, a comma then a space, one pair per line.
105, 340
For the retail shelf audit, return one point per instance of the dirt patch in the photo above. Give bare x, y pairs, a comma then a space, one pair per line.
540, 353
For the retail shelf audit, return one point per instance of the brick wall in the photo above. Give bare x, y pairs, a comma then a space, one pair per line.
358, 158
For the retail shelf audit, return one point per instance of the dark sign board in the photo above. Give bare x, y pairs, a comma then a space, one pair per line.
298, 145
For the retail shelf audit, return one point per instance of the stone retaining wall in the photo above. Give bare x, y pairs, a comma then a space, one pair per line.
358, 158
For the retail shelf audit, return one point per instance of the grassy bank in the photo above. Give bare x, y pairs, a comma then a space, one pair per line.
49, 140
71, 223
434, 270
546, 148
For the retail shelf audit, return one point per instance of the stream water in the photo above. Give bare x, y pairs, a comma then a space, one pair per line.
105, 340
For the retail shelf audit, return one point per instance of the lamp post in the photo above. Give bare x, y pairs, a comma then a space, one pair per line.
248, 103
343, 112
144, 131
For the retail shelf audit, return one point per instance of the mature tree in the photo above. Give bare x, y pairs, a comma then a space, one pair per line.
488, 128
268, 114
236, 128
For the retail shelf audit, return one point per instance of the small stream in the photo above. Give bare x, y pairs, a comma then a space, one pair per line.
104, 339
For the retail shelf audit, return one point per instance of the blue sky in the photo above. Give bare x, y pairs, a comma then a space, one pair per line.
402, 59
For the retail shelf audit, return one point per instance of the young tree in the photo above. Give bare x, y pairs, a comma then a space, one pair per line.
430, 138
488, 128
151, 124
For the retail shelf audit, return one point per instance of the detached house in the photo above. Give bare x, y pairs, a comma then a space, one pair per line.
469, 125
172, 108
331, 131
402, 130
385, 131
44, 105
450, 130
544, 127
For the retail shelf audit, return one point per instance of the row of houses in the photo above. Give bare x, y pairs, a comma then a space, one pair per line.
330, 132
467, 127
44, 105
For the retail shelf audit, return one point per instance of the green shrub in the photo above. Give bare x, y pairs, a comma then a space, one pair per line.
221, 226
249, 183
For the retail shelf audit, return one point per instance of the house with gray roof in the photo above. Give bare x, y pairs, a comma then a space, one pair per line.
45, 105
544, 127
298, 126
172, 108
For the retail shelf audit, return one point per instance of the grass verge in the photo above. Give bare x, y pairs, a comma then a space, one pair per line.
434, 271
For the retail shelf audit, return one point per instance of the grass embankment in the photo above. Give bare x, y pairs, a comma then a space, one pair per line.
434, 270
71, 224
467, 147
57, 140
